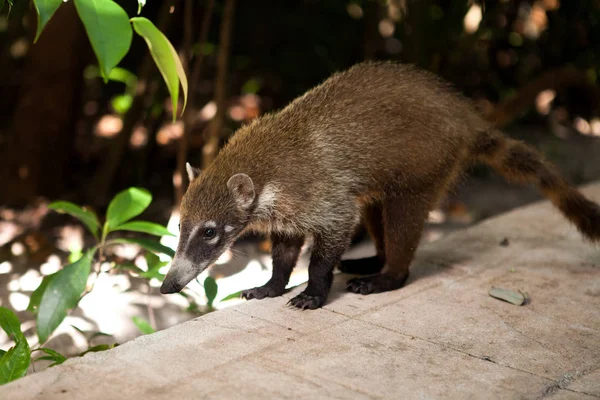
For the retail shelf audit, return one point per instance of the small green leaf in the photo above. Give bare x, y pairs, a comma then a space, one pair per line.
45, 10
36, 296
107, 26
52, 356
10, 324
100, 347
232, 296
143, 325
97, 334
14, 363
62, 294
88, 217
166, 59
210, 289
125, 205
122, 103
145, 227
141, 3
515, 298
148, 245
2, 353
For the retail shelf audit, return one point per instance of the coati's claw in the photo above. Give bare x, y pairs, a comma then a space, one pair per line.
262, 291
305, 301
374, 284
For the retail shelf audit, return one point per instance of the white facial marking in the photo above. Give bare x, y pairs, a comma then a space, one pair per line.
190, 238
210, 224
228, 228
267, 198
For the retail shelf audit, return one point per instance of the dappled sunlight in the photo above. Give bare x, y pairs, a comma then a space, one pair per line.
436, 217
472, 19
18, 301
108, 126
169, 132
543, 101
355, 11
70, 238
208, 112
17, 249
51, 265
8, 231
139, 137
5, 267
30, 280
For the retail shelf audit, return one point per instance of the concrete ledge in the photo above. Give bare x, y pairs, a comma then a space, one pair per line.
441, 336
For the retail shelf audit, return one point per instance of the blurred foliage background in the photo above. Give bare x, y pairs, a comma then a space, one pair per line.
530, 66
64, 133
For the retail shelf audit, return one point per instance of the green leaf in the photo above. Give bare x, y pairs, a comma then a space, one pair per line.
515, 298
154, 265
166, 59
125, 205
232, 296
141, 3
62, 293
100, 347
88, 217
210, 289
2, 353
45, 10
143, 325
52, 356
121, 103
10, 324
14, 363
36, 296
148, 245
107, 26
145, 227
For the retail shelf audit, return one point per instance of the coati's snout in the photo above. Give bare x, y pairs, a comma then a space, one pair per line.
207, 228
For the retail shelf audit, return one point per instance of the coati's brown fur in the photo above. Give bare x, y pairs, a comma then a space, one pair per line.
381, 139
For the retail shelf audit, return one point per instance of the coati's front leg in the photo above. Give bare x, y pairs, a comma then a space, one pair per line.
326, 255
403, 220
285, 252
373, 220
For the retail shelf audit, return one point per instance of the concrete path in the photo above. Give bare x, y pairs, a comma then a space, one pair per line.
441, 336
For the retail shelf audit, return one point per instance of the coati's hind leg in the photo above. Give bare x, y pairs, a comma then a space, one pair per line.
327, 252
403, 220
285, 252
373, 220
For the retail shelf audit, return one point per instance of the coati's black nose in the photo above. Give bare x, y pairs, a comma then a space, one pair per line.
170, 286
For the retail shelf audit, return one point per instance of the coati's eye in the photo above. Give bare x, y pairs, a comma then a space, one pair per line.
209, 233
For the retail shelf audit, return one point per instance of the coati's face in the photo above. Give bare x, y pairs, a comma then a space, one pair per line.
211, 219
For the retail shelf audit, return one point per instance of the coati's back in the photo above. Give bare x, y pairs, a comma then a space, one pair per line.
354, 135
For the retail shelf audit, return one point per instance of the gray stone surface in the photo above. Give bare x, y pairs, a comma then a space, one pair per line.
441, 336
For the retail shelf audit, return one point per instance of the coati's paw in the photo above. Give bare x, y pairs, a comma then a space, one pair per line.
374, 284
305, 301
263, 291
362, 266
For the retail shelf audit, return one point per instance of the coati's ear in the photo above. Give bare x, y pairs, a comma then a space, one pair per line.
192, 172
242, 189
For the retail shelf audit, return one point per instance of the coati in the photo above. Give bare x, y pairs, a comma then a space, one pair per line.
381, 140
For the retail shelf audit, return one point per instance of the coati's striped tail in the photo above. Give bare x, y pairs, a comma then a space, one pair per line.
519, 163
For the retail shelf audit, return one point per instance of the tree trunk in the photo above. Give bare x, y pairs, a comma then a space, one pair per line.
211, 147
35, 159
